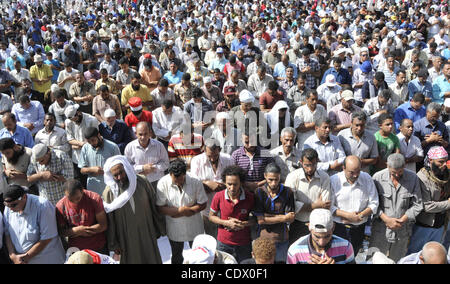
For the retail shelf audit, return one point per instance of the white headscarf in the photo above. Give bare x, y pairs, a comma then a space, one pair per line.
119, 200
273, 116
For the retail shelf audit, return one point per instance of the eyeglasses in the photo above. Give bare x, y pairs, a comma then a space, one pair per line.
9, 205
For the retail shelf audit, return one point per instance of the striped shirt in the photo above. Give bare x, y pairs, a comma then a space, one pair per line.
254, 166
339, 249
178, 149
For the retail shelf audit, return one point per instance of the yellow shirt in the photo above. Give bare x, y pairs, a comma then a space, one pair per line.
143, 93
45, 72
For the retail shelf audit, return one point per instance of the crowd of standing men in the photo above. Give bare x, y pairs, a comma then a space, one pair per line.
257, 131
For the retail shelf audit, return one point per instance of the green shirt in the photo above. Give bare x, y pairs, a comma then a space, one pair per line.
386, 146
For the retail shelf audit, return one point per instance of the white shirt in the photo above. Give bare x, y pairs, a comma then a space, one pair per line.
202, 169
329, 153
75, 132
155, 153
325, 93
63, 75
168, 194
257, 86
56, 139
353, 197
413, 148
163, 124
19, 76
304, 115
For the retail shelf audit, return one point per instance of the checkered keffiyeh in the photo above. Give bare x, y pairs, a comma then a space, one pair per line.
437, 152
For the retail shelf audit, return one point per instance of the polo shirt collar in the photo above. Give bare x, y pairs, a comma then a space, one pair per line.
241, 197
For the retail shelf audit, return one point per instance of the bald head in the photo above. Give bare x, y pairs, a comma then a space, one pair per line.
434, 253
143, 125
352, 168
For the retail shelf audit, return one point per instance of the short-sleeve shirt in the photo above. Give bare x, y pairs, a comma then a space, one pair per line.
281, 204
36, 223
70, 215
386, 145
222, 204
269, 101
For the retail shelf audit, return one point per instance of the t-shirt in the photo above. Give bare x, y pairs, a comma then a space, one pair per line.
269, 101
386, 146
71, 215
131, 120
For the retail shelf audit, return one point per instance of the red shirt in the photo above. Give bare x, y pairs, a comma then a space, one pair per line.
229, 68
269, 101
71, 215
131, 120
241, 210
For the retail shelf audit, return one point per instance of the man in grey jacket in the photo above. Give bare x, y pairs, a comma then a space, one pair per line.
400, 203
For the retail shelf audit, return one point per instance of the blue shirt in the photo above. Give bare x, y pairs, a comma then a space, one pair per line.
55, 72
238, 44
342, 77
10, 62
91, 157
280, 70
414, 86
36, 223
218, 63
440, 86
173, 79
120, 134
407, 111
21, 136
422, 127
34, 114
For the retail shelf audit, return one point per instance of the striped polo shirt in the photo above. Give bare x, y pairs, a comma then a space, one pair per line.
178, 149
339, 249
254, 167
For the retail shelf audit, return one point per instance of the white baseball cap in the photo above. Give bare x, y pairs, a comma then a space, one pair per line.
347, 95
321, 221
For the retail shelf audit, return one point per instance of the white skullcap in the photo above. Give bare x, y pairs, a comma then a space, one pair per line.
246, 97
207, 79
110, 113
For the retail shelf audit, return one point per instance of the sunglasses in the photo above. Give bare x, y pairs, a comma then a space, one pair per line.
9, 205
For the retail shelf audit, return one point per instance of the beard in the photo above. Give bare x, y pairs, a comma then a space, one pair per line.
440, 174
17, 154
123, 184
136, 88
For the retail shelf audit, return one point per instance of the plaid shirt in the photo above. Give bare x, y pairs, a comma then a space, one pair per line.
314, 65
59, 164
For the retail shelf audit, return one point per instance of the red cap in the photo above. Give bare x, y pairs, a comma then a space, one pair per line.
147, 55
43, 28
229, 90
135, 103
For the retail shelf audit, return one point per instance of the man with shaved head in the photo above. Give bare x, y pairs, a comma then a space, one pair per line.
355, 199
148, 156
432, 253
